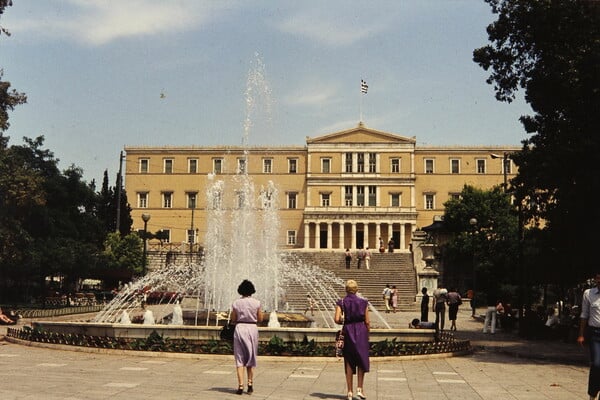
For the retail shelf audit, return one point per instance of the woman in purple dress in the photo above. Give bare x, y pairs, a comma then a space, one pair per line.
353, 312
245, 314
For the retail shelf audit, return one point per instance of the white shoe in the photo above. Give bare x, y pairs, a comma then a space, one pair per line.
350, 396
360, 394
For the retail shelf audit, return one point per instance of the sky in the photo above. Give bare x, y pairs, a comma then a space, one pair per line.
101, 75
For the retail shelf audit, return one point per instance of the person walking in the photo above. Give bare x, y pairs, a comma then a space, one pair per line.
381, 246
440, 296
424, 305
394, 298
360, 255
367, 258
454, 301
353, 312
590, 322
387, 295
245, 314
348, 258
310, 305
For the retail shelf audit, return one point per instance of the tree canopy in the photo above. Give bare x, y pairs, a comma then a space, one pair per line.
551, 50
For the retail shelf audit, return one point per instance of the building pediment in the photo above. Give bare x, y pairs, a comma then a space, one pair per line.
360, 134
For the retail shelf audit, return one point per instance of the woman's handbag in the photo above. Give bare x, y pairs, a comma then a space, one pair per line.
339, 338
339, 343
227, 330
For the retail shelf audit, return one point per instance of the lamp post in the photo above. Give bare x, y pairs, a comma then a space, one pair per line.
473, 222
505, 160
145, 218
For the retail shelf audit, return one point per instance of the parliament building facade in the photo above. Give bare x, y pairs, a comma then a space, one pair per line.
343, 190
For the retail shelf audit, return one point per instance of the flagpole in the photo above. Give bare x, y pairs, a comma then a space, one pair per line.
361, 104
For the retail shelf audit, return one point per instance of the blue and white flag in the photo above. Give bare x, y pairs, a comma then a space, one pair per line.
363, 86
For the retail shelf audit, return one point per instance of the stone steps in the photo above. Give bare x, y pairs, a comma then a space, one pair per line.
386, 268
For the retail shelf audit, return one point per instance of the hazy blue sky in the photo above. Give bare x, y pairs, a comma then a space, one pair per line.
101, 75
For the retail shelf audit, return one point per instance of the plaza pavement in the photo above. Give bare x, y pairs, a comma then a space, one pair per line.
502, 366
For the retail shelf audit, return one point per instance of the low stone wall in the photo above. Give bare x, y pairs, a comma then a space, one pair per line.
203, 333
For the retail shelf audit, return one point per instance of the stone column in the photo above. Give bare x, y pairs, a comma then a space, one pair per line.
306, 235
342, 240
353, 238
329, 234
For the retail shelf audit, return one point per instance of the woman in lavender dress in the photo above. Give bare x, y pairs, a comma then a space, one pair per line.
353, 312
245, 314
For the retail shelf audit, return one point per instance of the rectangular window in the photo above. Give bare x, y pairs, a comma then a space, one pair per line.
348, 162
360, 162
326, 165
360, 196
144, 165
372, 163
266, 197
395, 165
372, 196
325, 199
168, 168
291, 237
191, 236
481, 166
142, 200
193, 165
191, 199
454, 196
291, 200
267, 166
455, 166
217, 166
167, 199
429, 202
292, 165
241, 165
395, 199
348, 196
166, 235
429, 166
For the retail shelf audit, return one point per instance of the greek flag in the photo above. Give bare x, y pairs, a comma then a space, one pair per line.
363, 86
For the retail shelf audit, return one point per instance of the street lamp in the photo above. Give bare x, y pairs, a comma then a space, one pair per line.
473, 222
505, 160
145, 218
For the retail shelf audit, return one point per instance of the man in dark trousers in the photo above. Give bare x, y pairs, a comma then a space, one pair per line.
590, 321
424, 305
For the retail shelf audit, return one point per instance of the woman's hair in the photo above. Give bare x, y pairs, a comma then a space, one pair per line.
351, 286
246, 288
415, 322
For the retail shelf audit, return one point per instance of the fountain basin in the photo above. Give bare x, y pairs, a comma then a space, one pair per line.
204, 333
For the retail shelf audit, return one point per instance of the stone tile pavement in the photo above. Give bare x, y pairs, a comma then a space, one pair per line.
503, 366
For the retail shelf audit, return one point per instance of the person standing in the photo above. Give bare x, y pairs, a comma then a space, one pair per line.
590, 322
454, 300
391, 246
440, 296
348, 258
367, 258
353, 312
491, 311
381, 246
387, 295
394, 298
471, 297
245, 314
310, 305
424, 305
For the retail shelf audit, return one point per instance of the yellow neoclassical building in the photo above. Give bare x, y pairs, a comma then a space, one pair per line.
343, 190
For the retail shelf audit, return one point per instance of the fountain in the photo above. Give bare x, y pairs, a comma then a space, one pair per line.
192, 300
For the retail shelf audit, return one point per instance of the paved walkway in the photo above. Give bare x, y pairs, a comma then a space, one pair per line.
502, 366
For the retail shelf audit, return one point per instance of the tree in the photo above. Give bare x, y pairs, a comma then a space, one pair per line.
550, 49
123, 256
483, 244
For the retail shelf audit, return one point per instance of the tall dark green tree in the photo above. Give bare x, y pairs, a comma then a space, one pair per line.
551, 50
482, 250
